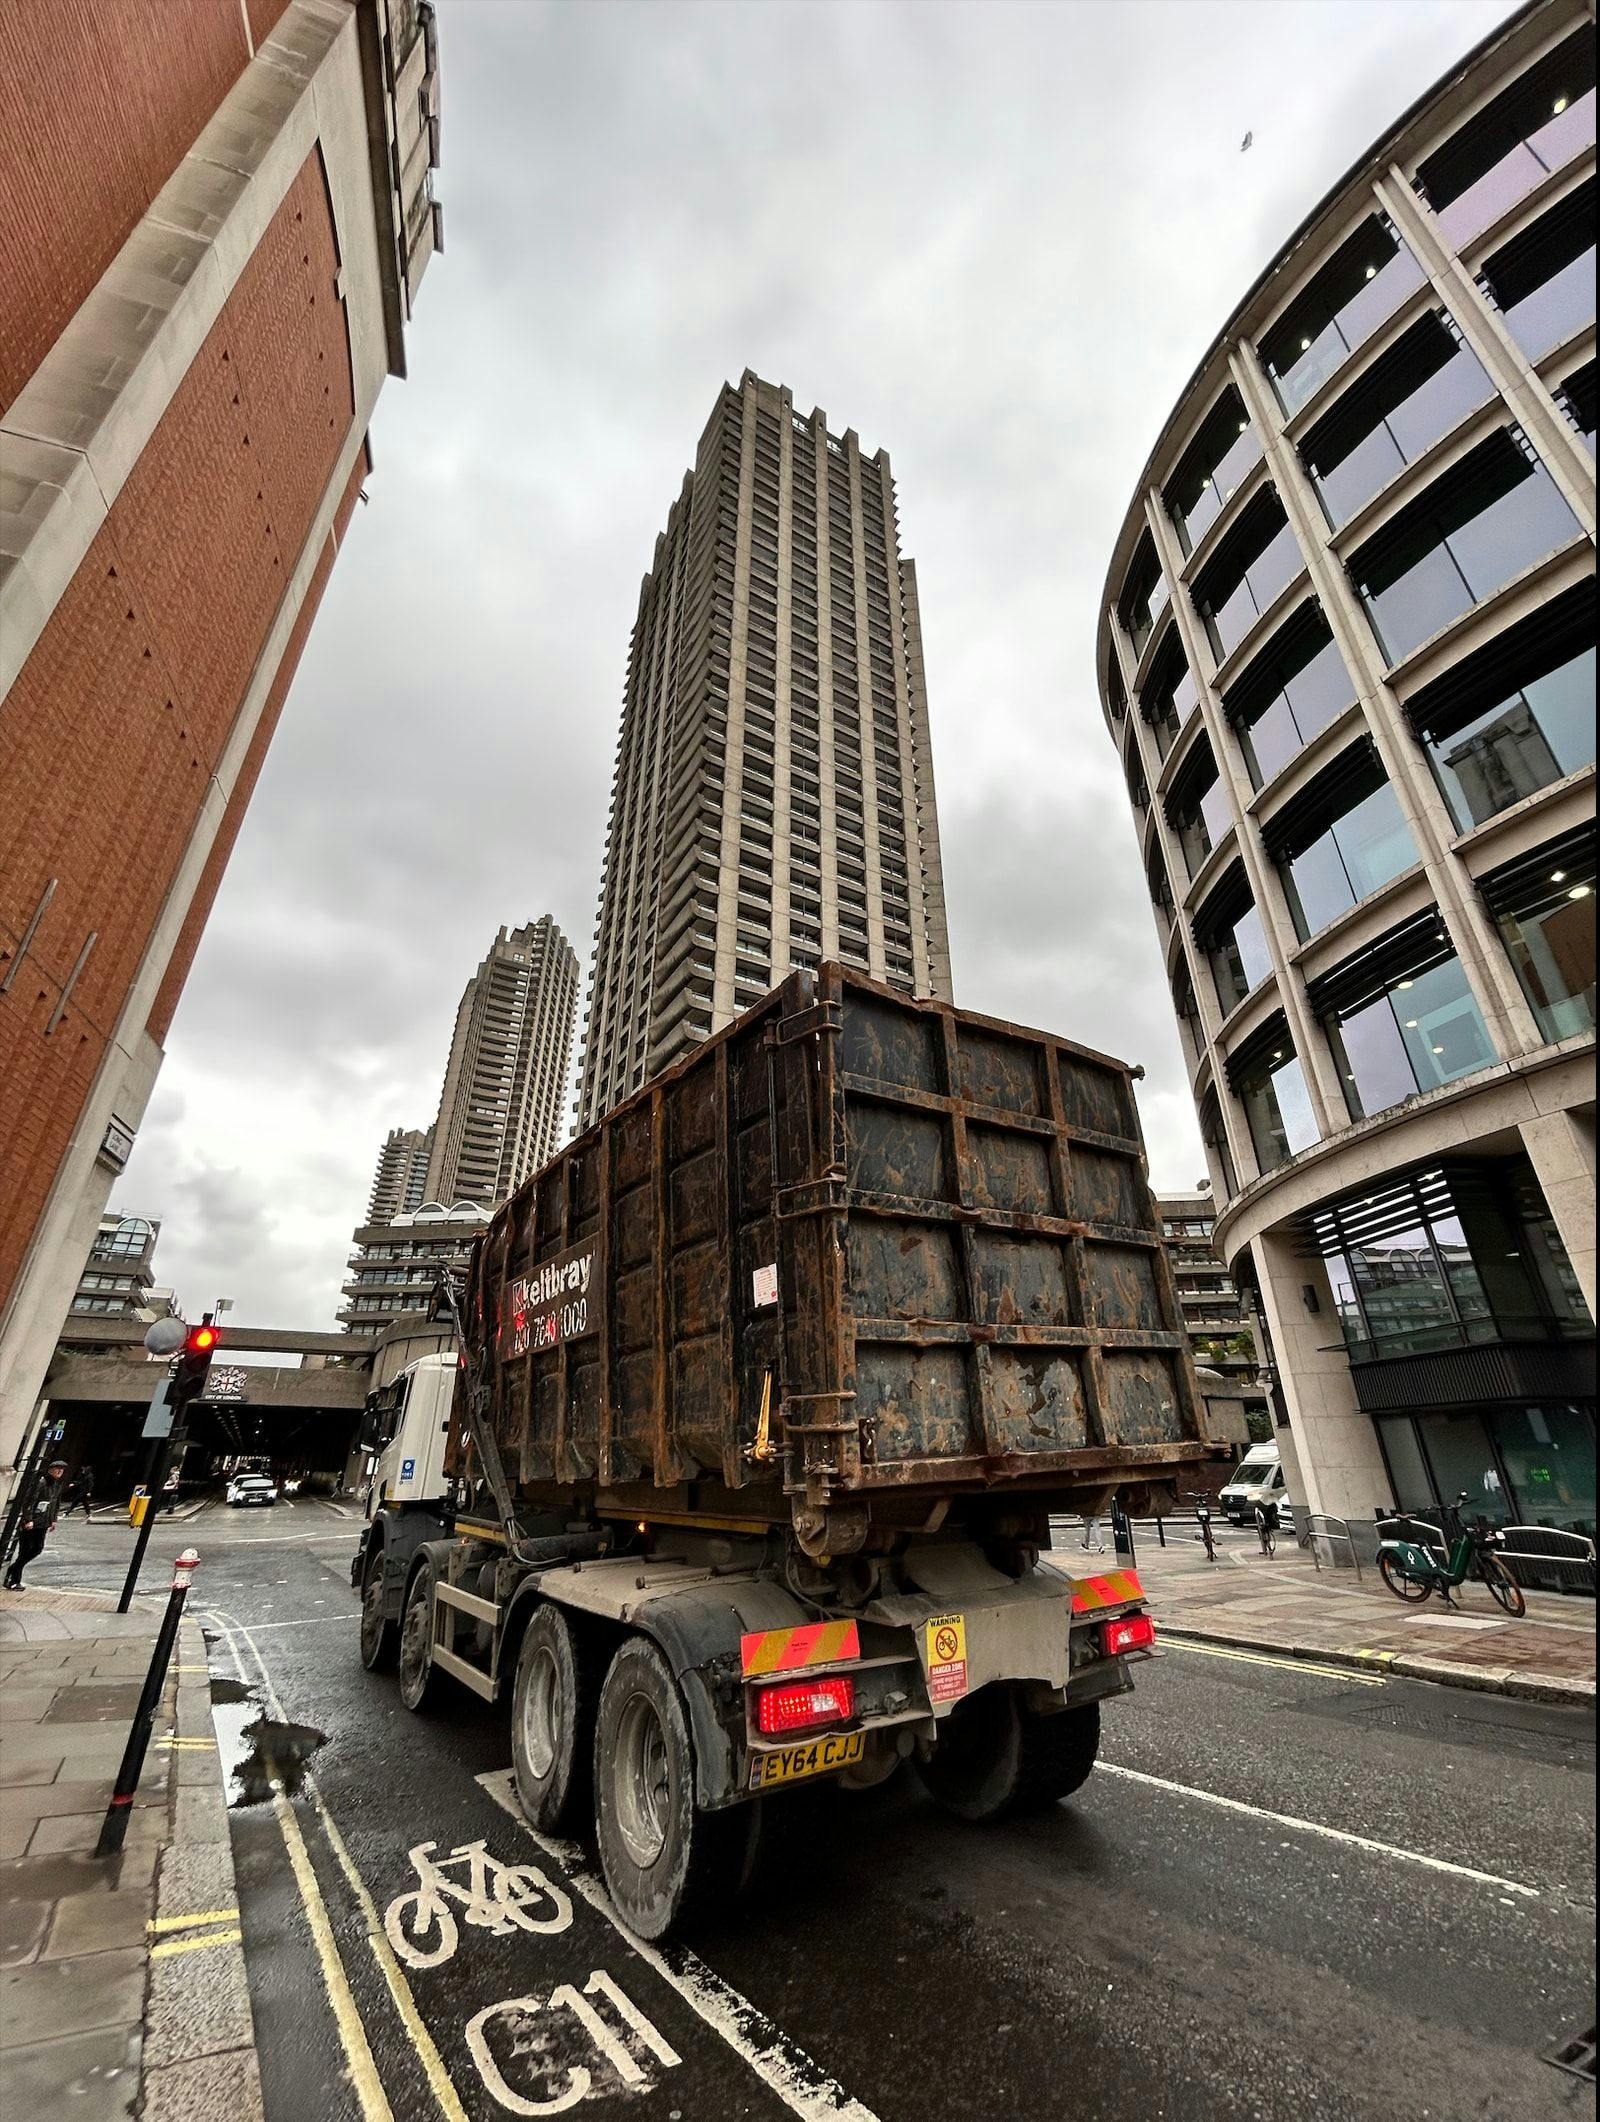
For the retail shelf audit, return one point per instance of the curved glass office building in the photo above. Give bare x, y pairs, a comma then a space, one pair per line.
1347, 658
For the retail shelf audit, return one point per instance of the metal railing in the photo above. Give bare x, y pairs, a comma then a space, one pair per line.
1336, 1543
1540, 1557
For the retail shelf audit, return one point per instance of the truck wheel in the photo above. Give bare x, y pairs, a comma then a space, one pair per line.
552, 1715
380, 1637
419, 1683
995, 1757
663, 1861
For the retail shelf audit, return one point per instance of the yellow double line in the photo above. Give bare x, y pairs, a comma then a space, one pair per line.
202, 1921
1292, 1665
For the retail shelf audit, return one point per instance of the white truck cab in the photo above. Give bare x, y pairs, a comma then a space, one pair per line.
407, 1422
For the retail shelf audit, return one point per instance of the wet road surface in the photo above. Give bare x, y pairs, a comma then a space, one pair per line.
1285, 1893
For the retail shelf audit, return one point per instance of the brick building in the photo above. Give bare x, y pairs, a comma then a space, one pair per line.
218, 212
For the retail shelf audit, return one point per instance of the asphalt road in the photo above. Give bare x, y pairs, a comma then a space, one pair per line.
1285, 1893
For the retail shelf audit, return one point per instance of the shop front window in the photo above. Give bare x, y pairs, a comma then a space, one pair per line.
1462, 1458
1548, 1454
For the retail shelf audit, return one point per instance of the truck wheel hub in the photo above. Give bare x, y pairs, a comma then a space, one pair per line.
642, 1783
539, 1714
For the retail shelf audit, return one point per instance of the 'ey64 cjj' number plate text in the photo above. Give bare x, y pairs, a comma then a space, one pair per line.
813, 1757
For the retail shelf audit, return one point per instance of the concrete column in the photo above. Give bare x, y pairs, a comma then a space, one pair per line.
1560, 1147
1336, 1451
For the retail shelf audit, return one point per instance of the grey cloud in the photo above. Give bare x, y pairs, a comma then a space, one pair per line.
996, 239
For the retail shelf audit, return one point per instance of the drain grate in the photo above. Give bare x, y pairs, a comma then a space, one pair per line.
1576, 2056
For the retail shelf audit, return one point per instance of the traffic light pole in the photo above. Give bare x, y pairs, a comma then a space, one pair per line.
193, 1363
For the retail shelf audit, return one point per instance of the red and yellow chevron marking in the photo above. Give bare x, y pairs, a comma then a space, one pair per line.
781, 1650
1116, 1588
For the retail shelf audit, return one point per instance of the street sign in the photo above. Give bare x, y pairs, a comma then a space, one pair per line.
225, 1381
158, 1416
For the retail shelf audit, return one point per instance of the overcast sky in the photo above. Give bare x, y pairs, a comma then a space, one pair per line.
994, 239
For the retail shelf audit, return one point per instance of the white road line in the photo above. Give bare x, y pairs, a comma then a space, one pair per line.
781, 2064
1317, 1827
312, 1621
405, 2003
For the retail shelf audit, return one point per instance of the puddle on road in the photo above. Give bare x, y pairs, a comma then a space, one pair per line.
260, 1756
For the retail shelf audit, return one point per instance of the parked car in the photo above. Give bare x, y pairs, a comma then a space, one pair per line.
252, 1488
1258, 1478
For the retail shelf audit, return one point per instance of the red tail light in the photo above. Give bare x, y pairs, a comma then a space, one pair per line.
1132, 1632
796, 1705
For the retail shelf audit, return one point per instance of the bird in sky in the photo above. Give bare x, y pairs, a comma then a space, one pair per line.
1245, 142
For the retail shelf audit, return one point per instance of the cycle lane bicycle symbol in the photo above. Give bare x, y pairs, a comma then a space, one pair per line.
495, 1897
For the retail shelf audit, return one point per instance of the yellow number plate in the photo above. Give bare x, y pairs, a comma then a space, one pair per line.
812, 1757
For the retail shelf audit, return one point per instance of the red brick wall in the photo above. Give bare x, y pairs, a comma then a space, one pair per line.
117, 720
104, 98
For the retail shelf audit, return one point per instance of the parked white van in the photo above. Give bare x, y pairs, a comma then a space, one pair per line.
1258, 1478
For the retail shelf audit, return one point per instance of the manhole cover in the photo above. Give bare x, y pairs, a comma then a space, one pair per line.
1576, 2055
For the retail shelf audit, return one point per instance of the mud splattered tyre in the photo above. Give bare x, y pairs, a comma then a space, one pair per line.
380, 1637
552, 1723
665, 1863
997, 1758
419, 1677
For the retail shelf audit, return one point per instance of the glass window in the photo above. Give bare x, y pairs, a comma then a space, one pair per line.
1203, 819
1486, 519
1523, 742
1212, 470
1240, 584
1361, 286
1550, 935
1421, 1032
1240, 959
1536, 125
1287, 696
1548, 1455
1356, 854
1144, 597
1463, 1459
1576, 398
1422, 387
1408, 1470
1278, 1109
1543, 279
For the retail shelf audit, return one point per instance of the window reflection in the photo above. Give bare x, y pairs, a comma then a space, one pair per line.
1211, 471
1277, 1107
1543, 279
1261, 558
1543, 906
1442, 1257
1538, 734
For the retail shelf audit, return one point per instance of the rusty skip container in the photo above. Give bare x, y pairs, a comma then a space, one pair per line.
854, 1263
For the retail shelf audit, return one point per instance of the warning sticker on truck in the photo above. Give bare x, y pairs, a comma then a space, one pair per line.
946, 1651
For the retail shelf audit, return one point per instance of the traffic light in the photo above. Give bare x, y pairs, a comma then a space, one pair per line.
194, 1361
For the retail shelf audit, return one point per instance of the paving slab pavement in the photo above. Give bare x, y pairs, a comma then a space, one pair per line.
1288, 1606
112, 2000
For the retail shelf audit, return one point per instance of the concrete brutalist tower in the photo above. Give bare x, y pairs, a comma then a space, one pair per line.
400, 1181
773, 802
500, 1114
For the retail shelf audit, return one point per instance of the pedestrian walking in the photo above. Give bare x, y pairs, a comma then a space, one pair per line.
1094, 1539
35, 1527
82, 1492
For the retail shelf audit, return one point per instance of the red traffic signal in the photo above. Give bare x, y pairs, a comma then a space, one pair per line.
194, 1360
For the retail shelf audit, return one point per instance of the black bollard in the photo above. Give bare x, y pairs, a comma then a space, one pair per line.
115, 1825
